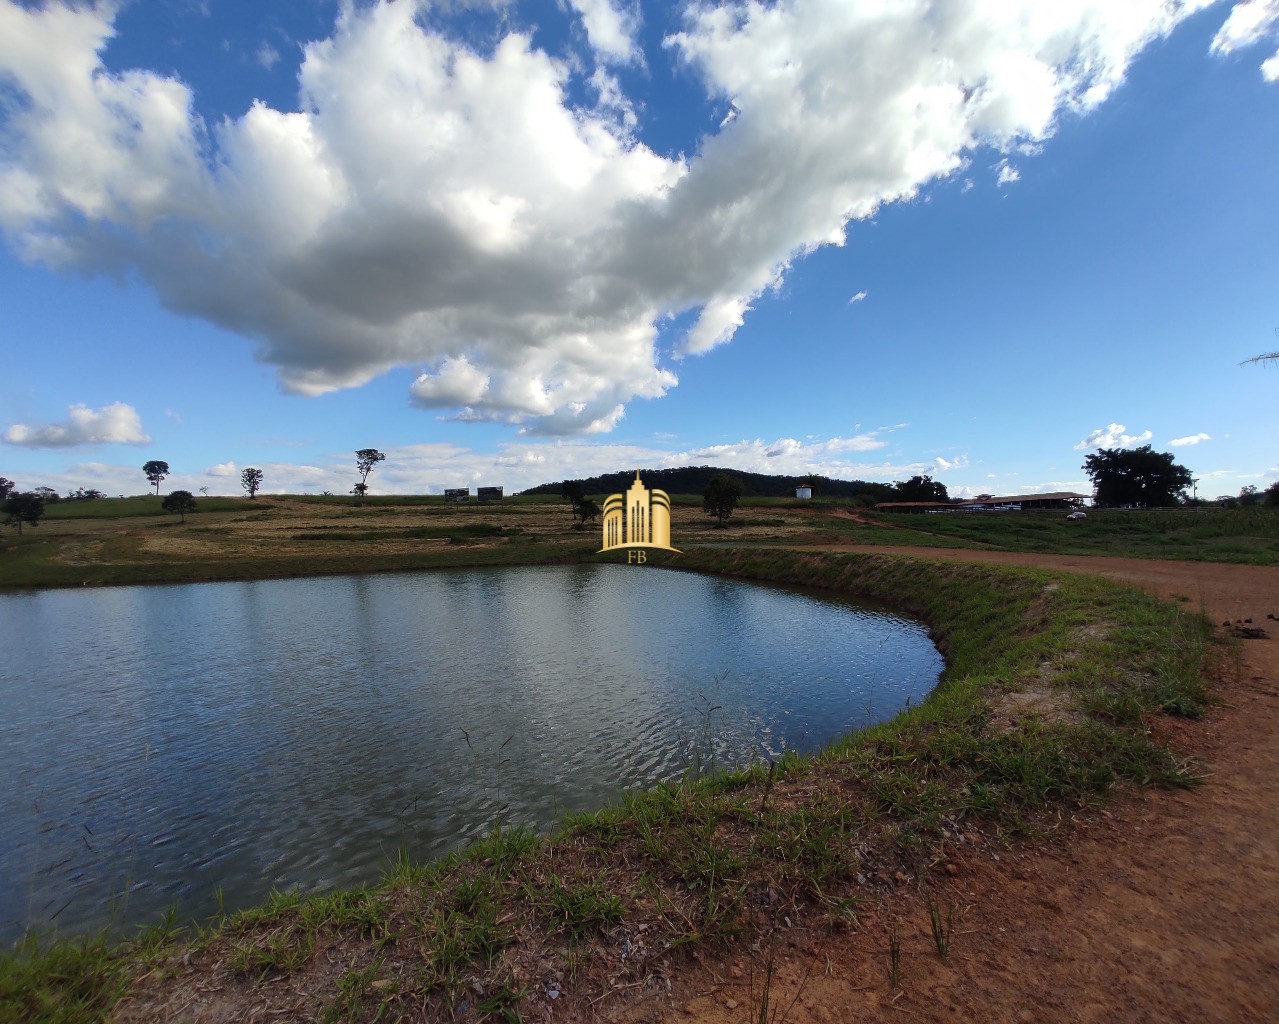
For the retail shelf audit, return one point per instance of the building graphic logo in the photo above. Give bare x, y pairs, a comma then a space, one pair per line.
640, 519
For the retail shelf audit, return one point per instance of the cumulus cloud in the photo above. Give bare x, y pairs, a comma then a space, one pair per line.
1178, 442
431, 205
116, 423
1112, 436
456, 382
859, 297
223, 469
610, 28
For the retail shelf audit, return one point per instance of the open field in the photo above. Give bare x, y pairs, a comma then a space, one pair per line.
131, 540
1003, 820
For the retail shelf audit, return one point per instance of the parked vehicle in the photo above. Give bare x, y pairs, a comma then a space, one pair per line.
1075, 516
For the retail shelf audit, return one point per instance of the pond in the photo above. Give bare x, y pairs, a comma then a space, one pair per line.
200, 745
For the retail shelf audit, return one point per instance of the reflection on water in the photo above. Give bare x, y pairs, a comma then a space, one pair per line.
160, 744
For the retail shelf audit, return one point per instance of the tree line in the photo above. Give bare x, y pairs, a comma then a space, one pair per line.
26, 508
695, 479
1144, 478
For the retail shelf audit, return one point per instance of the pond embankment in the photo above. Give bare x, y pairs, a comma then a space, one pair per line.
1052, 698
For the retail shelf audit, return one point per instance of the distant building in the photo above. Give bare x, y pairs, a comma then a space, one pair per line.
1025, 502
804, 491
991, 503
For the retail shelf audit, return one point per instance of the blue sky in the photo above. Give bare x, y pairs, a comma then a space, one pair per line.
510, 243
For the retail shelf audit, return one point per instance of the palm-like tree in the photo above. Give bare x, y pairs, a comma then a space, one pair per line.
1265, 357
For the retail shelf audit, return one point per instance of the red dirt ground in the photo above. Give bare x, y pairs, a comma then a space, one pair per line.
1162, 907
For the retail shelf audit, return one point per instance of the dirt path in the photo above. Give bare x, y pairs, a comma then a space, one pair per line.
1163, 907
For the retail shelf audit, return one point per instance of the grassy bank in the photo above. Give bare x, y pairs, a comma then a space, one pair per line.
1051, 686
1245, 536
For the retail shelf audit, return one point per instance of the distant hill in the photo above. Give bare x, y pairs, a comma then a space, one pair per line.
693, 480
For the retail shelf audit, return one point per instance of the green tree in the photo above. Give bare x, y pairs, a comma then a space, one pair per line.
1271, 494
180, 502
365, 460
920, 488
721, 496
7, 487
1248, 496
251, 480
156, 471
23, 507
585, 511
574, 492
1136, 476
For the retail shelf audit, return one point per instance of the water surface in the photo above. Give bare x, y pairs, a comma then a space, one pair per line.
162, 744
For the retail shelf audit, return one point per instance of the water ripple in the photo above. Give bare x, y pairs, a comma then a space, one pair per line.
187, 741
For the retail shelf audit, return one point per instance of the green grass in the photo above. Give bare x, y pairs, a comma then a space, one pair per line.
139, 505
697, 862
1216, 535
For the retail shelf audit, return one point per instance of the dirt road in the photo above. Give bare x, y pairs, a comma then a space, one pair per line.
1162, 907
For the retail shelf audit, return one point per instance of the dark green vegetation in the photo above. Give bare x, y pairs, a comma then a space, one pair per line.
128, 508
1139, 477
22, 508
365, 460
156, 471
251, 481
693, 480
721, 496
1051, 688
180, 502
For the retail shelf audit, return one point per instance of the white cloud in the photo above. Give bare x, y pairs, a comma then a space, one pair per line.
1249, 23
1112, 436
431, 205
223, 469
456, 382
1008, 174
1178, 442
267, 56
859, 297
116, 423
941, 465
610, 28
